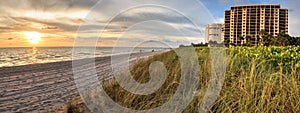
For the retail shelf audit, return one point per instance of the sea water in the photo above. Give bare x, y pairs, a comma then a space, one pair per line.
32, 55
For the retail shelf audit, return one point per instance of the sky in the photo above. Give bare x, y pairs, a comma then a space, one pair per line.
110, 23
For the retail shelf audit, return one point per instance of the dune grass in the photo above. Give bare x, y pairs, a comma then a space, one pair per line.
254, 81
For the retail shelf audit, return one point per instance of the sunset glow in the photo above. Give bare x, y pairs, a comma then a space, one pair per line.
33, 37
80, 15
57, 22
43, 15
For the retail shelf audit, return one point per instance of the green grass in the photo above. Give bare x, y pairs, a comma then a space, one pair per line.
258, 79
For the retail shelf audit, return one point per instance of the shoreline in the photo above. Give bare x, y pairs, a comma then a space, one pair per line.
40, 87
70, 61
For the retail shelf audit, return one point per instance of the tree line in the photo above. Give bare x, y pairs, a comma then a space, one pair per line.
263, 39
266, 39
281, 39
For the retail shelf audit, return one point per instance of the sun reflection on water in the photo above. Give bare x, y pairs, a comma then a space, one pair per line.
34, 55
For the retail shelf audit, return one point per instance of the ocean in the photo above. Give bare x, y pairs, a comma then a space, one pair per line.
33, 55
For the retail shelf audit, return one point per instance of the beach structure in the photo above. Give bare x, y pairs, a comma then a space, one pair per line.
214, 32
244, 23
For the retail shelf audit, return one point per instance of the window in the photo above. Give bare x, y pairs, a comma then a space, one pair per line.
214, 28
213, 34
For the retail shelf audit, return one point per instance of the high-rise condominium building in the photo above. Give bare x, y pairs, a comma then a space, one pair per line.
243, 23
214, 32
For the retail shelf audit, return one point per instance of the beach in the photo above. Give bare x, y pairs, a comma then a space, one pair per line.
41, 87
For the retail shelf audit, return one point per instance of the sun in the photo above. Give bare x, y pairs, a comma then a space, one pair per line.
33, 37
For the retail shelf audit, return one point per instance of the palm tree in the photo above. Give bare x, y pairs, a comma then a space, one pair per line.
283, 38
240, 40
227, 42
248, 40
292, 40
274, 41
267, 39
262, 34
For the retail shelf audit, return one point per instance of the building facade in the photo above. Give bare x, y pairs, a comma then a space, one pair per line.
214, 32
244, 23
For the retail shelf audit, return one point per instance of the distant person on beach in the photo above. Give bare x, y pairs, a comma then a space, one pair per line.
152, 50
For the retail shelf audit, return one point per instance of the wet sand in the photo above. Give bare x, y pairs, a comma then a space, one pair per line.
40, 87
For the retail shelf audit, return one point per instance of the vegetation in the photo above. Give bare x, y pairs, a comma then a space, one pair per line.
280, 57
262, 39
258, 79
196, 45
200, 44
265, 39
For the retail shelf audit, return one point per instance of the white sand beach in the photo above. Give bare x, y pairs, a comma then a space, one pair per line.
40, 87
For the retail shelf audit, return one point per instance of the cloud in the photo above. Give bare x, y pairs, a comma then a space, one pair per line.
50, 27
47, 6
60, 19
220, 20
294, 16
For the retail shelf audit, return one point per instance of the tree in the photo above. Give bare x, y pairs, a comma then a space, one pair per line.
213, 43
199, 44
227, 42
274, 41
283, 38
267, 39
240, 40
292, 40
181, 45
248, 40
262, 34
298, 41
232, 44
